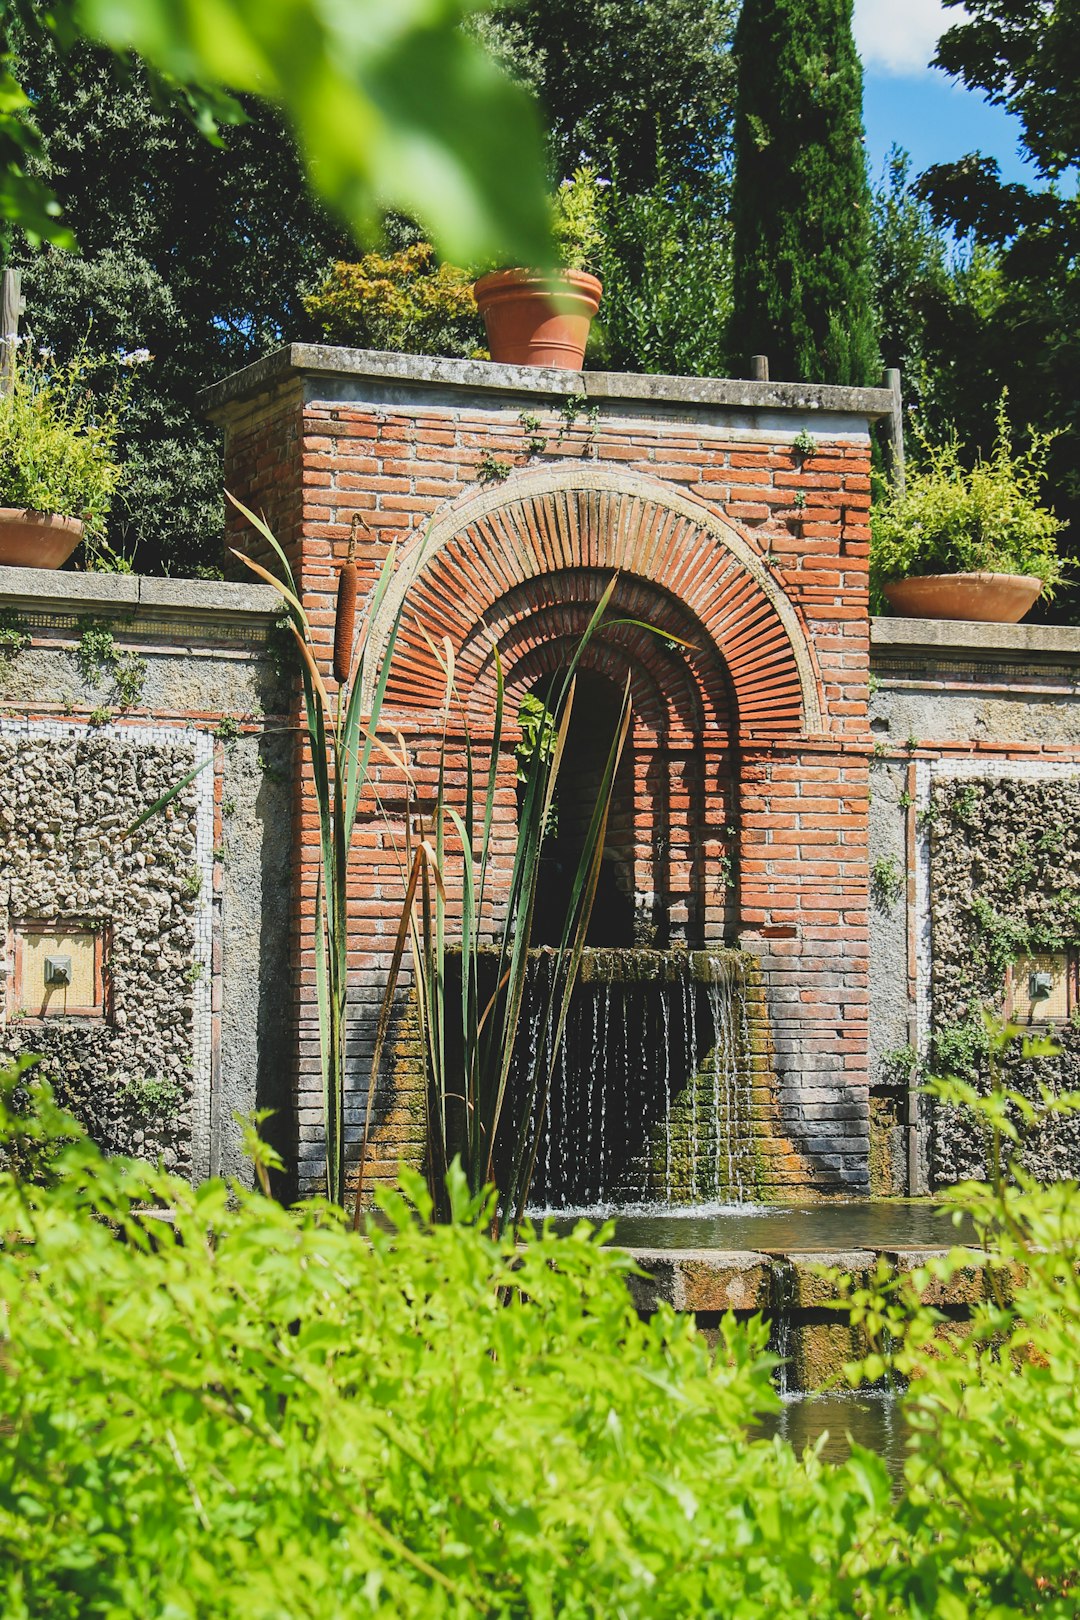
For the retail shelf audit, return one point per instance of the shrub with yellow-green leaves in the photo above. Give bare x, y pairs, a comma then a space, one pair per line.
400, 301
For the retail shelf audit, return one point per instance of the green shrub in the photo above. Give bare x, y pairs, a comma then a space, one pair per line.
954, 520
400, 301
58, 436
989, 1521
667, 273
254, 1411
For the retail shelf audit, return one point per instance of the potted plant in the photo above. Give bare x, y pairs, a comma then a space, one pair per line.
542, 317
58, 469
968, 544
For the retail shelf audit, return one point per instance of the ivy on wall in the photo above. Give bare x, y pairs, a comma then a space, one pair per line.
1005, 884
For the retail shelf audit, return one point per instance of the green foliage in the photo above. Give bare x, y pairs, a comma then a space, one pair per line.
405, 300
228, 728
14, 636
194, 251
665, 262
535, 443
610, 74
197, 251
577, 229
492, 470
539, 735
98, 655
801, 203
939, 305
251, 1409
396, 104
151, 1096
58, 437
23, 195
340, 741
954, 520
1027, 60
643, 90
887, 882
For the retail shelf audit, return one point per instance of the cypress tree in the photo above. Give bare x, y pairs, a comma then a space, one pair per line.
803, 283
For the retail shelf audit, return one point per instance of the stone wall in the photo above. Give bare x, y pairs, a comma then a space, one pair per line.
112, 689
974, 840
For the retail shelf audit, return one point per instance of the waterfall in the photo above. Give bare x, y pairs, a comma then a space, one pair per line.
651, 1099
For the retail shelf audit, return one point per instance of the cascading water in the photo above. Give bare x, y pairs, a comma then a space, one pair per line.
651, 1096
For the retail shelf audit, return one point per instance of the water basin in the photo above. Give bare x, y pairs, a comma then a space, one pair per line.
885, 1224
873, 1419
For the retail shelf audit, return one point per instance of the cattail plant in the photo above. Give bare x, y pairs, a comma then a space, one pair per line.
345, 617
341, 741
446, 845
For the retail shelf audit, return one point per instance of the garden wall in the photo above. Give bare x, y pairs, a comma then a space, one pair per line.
883, 815
173, 936
975, 879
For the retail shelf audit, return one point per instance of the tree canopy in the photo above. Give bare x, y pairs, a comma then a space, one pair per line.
389, 105
195, 251
614, 79
801, 204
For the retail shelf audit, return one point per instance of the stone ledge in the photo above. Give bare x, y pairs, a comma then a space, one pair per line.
43, 591
994, 643
717, 1280
413, 373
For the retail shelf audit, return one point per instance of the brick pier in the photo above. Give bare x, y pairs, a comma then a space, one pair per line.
734, 516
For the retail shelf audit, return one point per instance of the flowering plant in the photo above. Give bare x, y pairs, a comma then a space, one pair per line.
58, 433
578, 219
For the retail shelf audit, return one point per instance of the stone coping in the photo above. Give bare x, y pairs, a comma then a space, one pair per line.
949, 638
719, 1280
411, 374
37, 590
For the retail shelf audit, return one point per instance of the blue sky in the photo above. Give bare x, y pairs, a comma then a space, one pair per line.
907, 103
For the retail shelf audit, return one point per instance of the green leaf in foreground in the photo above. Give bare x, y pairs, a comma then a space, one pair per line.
391, 104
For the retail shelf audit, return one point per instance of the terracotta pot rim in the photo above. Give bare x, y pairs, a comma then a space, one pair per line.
45, 520
979, 577
581, 281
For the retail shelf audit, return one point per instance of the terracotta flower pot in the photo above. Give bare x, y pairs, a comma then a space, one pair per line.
538, 320
986, 598
37, 539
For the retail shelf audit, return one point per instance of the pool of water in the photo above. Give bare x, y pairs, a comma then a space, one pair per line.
873, 1419
871, 1223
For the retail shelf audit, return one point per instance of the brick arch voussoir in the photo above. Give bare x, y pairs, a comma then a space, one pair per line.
654, 630
544, 522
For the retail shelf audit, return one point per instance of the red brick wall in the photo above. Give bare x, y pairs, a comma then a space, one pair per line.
750, 744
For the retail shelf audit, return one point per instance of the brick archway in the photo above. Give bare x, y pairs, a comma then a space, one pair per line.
492, 562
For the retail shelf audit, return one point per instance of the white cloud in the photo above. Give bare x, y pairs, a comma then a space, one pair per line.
900, 36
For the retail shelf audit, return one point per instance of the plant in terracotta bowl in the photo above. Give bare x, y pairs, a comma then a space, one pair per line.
542, 317
964, 543
58, 465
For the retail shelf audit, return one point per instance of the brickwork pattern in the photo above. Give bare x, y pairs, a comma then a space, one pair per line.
750, 745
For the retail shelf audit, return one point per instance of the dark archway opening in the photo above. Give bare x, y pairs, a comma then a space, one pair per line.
594, 724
